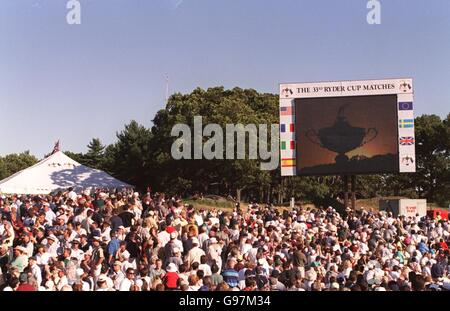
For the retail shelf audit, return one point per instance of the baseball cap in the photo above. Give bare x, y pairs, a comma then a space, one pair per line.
23, 277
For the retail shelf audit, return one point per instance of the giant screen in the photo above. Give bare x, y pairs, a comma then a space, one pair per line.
347, 127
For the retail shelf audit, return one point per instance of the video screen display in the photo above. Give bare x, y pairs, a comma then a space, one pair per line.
346, 135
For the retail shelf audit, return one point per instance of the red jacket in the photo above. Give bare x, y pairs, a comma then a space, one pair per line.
170, 280
25, 288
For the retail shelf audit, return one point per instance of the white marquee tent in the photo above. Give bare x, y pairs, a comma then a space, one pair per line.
55, 172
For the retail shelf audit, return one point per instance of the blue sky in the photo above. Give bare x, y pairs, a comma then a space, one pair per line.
75, 82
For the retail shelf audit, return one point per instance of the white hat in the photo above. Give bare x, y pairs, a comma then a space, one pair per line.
176, 250
213, 240
80, 272
335, 285
101, 278
171, 267
21, 248
51, 237
195, 241
173, 235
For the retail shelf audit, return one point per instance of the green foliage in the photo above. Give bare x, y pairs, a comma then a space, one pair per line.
222, 107
95, 155
12, 163
129, 157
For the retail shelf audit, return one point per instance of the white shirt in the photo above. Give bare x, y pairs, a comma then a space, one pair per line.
206, 269
42, 259
107, 234
72, 195
125, 285
53, 249
62, 282
164, 238
119, 276
194, 255
78, 254
198, 219
202, 237
37, 274
50, 216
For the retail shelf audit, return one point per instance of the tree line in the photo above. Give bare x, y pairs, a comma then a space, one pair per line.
142, 157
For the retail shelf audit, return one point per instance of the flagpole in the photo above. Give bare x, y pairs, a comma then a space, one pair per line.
167, 88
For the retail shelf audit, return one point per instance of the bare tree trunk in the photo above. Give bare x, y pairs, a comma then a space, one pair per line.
238, 194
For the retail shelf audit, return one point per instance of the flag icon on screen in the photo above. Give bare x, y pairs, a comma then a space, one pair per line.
283, 128
287, 111
291, 145
407, 141
288, 162
406, 123
405, 106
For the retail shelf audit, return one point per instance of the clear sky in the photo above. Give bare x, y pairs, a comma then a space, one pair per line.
76, 82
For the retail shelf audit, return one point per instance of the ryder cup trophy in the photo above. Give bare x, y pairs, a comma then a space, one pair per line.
341, 137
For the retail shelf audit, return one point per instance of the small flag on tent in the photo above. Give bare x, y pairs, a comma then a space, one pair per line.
56, 148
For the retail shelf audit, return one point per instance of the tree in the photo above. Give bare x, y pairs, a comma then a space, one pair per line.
433, 160
219, 106
79, 157
128, 158
12, 163
95, 156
